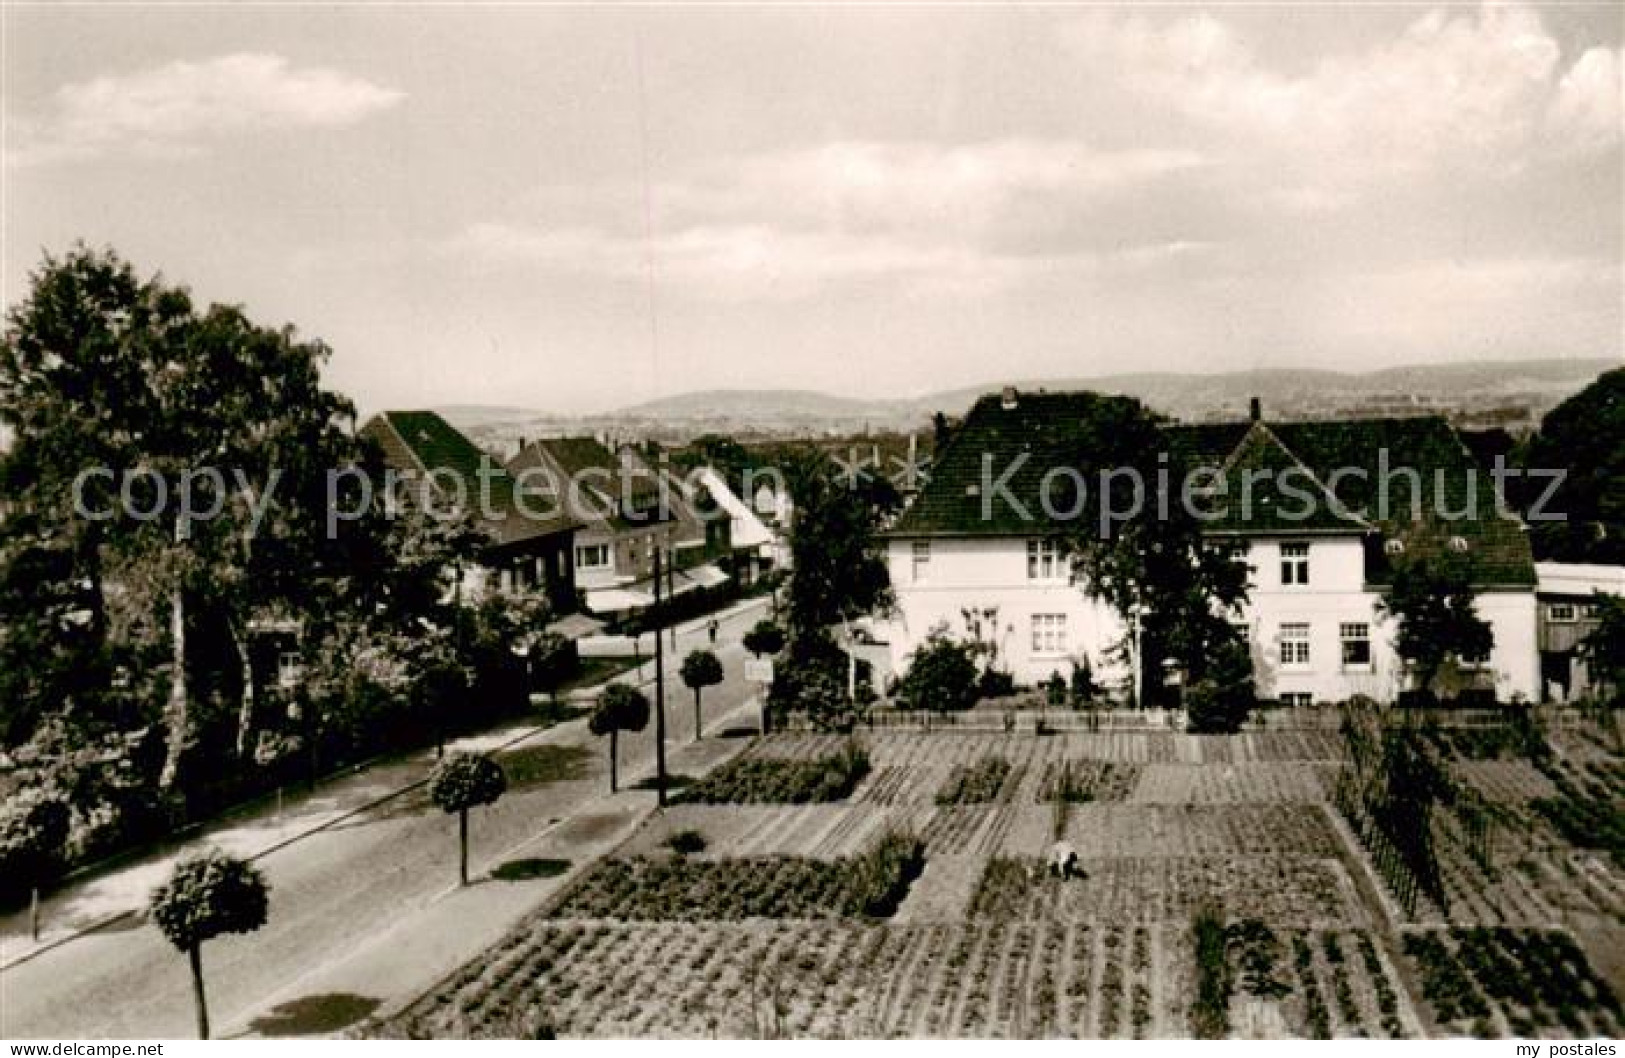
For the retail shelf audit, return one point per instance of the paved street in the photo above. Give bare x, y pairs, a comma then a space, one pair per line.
346, 901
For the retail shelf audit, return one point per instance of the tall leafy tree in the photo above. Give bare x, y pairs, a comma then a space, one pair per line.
1432, 600
231, 435
1179, 594
206, 897
1584, 437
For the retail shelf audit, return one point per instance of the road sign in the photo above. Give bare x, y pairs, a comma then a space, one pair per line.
759, 670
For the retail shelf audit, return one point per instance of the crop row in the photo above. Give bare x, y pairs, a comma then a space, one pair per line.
837, 979
1526, 982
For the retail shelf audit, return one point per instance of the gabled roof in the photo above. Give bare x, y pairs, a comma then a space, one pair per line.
1335, 471
423, 443
617, 490
1019, 445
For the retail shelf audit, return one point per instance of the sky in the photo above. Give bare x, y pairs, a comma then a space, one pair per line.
576, 208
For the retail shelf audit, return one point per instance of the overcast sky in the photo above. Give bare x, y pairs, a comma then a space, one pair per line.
474, 204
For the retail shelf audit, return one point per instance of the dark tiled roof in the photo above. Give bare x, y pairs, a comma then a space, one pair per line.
1017, 447
424, 443
1342, 459
603, 474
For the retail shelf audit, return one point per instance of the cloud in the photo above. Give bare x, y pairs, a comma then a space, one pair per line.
933, 218
1455, 91
179, 108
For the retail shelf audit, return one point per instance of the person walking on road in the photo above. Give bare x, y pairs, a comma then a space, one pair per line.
711, 630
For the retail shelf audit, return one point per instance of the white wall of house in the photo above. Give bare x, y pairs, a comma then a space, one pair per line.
1323, 609
982, 573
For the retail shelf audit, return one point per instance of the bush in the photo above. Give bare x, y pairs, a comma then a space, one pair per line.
941, 675
995, 683
977, 783
686, 842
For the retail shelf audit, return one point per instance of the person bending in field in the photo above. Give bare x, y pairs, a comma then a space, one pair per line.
1063, 861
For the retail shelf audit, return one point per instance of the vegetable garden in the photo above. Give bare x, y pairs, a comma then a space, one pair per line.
1235, 886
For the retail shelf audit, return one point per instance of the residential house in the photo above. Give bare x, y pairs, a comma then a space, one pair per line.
756, 547
626, 511
961, 555
1567, 595
531, 546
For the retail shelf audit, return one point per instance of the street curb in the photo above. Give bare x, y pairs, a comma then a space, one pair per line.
118, 916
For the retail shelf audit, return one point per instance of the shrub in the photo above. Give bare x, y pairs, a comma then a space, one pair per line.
686, 842
977, 783
941, 675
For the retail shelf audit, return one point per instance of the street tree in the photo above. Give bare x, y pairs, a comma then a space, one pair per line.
701, 669
459, 782
1432, 601
206, 897
620, 708
764, 639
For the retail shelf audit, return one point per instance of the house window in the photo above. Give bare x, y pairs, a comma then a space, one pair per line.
1044, 560
1589, 611
922, 559
1049, 633
289, 668
1294, 563
1297, 698
1295, 645
1356, 638
592, 556
1561, 612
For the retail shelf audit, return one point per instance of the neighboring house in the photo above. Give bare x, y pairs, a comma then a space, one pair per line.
1568, 613
625, 512
756, 547
530, 548
1313, 614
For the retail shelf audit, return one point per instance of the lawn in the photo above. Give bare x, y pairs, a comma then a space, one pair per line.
1220, 893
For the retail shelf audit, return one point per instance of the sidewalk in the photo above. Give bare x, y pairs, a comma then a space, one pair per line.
436, 938
105, 899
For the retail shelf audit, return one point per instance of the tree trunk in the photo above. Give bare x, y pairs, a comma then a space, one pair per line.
176, 719
245, 703
195, 954
33, 912
614, 735
696, 714
462, 841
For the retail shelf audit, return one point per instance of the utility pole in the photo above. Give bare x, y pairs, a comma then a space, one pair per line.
660, 695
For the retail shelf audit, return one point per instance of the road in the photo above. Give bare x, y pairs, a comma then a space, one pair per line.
339, 891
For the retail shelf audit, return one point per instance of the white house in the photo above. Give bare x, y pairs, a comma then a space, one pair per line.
1321, 528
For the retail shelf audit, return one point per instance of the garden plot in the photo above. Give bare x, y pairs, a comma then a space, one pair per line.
1518, 982
819, 831
1178, 830
1278, 889
1300, 781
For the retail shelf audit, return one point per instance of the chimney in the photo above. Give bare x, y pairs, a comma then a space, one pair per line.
1007, 400
523, 444
1255, 410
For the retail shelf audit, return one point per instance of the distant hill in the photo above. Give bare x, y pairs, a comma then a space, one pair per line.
1513, 394
769, 403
